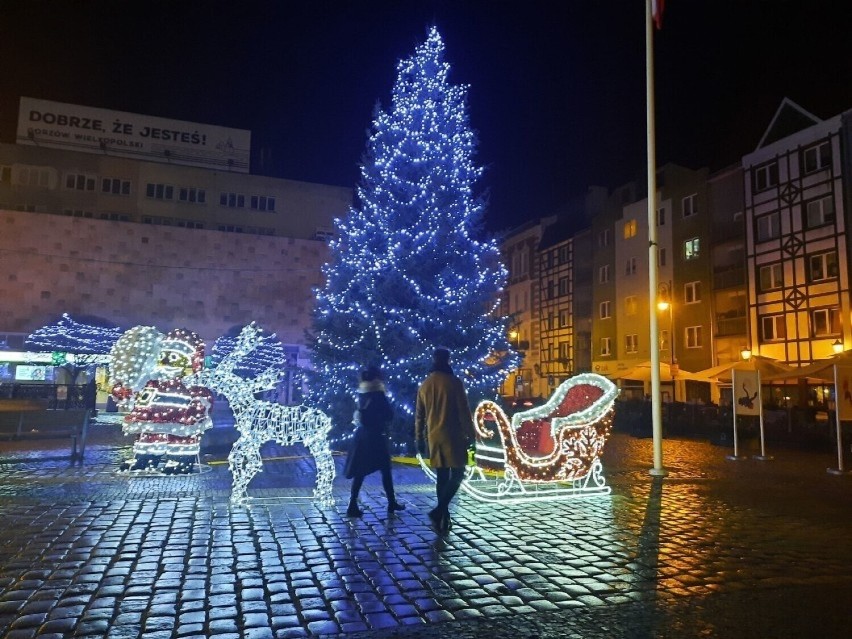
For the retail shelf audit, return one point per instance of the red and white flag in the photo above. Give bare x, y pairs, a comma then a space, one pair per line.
657, 12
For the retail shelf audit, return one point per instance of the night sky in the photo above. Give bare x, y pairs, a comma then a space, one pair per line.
557, 89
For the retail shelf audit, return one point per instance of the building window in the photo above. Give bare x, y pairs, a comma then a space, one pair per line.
689, 205
631, 305
692, 292
603, 238
765, 177
691, 249
773, 328
564, 285
817, 157
520, 262
767, 227
232, 200
630, 266
603, 274
630, 229
771, 277
819, 212
825, 322
262, 203
79, 182
606, 348
664, 341
160, 191
693, 337
192, 195
564, 318
661, 256
564, 254
631, 343
115, 186
5, 174
605, 310
564, 351
548, 291
35, 176
114, 217
661, 217
822, 266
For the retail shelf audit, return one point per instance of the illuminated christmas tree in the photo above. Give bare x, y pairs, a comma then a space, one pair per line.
407, 273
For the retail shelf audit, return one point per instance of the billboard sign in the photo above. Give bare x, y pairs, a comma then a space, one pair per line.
72, 127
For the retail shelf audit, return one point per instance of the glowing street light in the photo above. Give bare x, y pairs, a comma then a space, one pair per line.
515, 335
664, 303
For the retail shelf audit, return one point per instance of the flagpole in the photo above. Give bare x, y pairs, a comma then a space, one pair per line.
654, 341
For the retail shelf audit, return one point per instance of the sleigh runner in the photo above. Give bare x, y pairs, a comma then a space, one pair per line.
549, 452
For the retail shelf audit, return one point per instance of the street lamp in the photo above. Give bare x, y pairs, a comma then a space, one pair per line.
745, 353
665, 303
514, 334
837, 347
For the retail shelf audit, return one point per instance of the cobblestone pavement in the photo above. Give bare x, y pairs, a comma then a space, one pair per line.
716, 549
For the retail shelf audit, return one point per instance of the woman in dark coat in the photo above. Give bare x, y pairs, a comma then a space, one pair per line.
369, 451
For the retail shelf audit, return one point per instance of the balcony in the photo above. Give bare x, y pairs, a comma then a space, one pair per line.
731, 323
728, 277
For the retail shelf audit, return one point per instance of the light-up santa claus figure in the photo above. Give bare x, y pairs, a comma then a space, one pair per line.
168, 416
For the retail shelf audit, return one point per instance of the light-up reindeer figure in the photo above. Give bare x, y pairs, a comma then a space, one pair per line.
261, 421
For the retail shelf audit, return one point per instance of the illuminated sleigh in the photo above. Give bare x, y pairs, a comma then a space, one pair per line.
548, 452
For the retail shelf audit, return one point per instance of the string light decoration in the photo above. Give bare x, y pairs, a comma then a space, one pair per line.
579, 418
133, 358
167, 415
86, 344
407, 273
269, 353
260, 421
71, 336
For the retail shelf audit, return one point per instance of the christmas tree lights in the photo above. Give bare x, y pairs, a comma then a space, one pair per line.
407, 274
260, 421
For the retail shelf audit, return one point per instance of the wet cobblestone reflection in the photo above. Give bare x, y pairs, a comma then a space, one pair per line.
91, 552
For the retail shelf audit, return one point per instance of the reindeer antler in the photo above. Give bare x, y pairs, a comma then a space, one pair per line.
267, 380
246, 342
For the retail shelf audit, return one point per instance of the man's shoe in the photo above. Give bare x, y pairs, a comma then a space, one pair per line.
435, 518
394, 506
446, 525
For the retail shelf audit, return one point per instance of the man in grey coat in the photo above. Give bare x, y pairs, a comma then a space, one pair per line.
443, 416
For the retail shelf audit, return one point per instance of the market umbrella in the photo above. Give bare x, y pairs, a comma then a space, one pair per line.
819, 370
824, 370
766, 366
642, 373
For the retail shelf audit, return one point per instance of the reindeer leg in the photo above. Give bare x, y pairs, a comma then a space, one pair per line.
245, 462
321, 453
